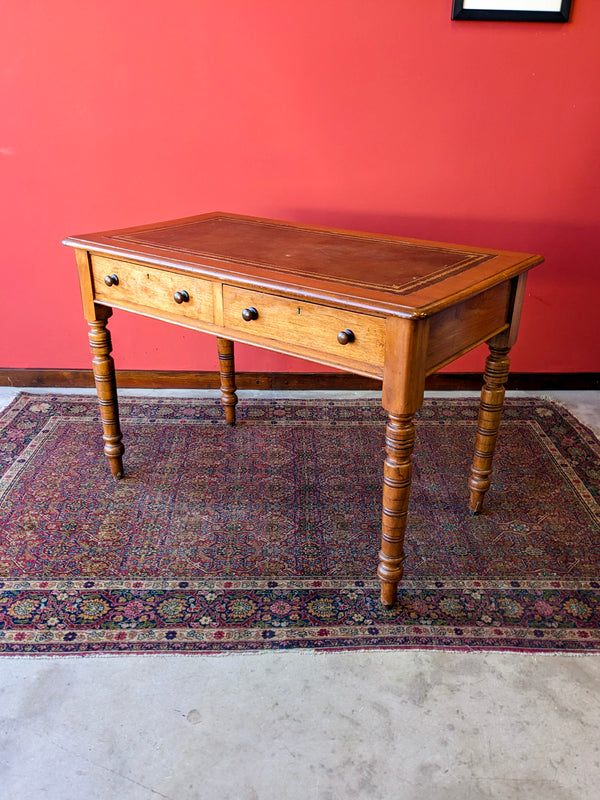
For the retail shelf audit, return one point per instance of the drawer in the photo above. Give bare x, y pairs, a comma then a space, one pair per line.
307, 325
138, 285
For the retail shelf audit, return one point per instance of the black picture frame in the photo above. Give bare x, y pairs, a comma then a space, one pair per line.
461, 13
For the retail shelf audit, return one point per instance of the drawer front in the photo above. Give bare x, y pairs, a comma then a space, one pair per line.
138, 285
308, 325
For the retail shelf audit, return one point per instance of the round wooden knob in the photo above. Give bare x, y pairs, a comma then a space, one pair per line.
181, 297
111, 280
249, 314
344, 337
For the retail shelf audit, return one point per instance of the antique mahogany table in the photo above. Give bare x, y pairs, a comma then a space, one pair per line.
386, 307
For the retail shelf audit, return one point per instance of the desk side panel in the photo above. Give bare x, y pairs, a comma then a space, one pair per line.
86, 283
460, 328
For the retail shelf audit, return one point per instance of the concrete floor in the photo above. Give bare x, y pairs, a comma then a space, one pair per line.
303, 725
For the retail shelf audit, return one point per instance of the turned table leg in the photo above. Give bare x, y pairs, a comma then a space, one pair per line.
402, 396
490, 413
227, 371
397, 473
106, 387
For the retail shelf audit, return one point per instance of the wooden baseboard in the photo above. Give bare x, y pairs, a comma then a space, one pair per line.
333, 381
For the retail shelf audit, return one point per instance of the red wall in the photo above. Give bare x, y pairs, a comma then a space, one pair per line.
382, 116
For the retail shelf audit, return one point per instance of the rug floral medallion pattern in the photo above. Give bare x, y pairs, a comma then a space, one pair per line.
266, 535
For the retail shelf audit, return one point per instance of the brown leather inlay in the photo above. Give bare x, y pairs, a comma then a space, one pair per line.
375, 262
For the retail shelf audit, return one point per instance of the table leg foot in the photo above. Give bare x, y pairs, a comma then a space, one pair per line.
227, 372
106, 387
397, 474
488, 423
389, 595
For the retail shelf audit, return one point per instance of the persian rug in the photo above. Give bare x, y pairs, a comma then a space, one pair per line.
266, 535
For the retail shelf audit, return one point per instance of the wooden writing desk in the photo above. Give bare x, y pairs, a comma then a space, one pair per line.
381, 306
